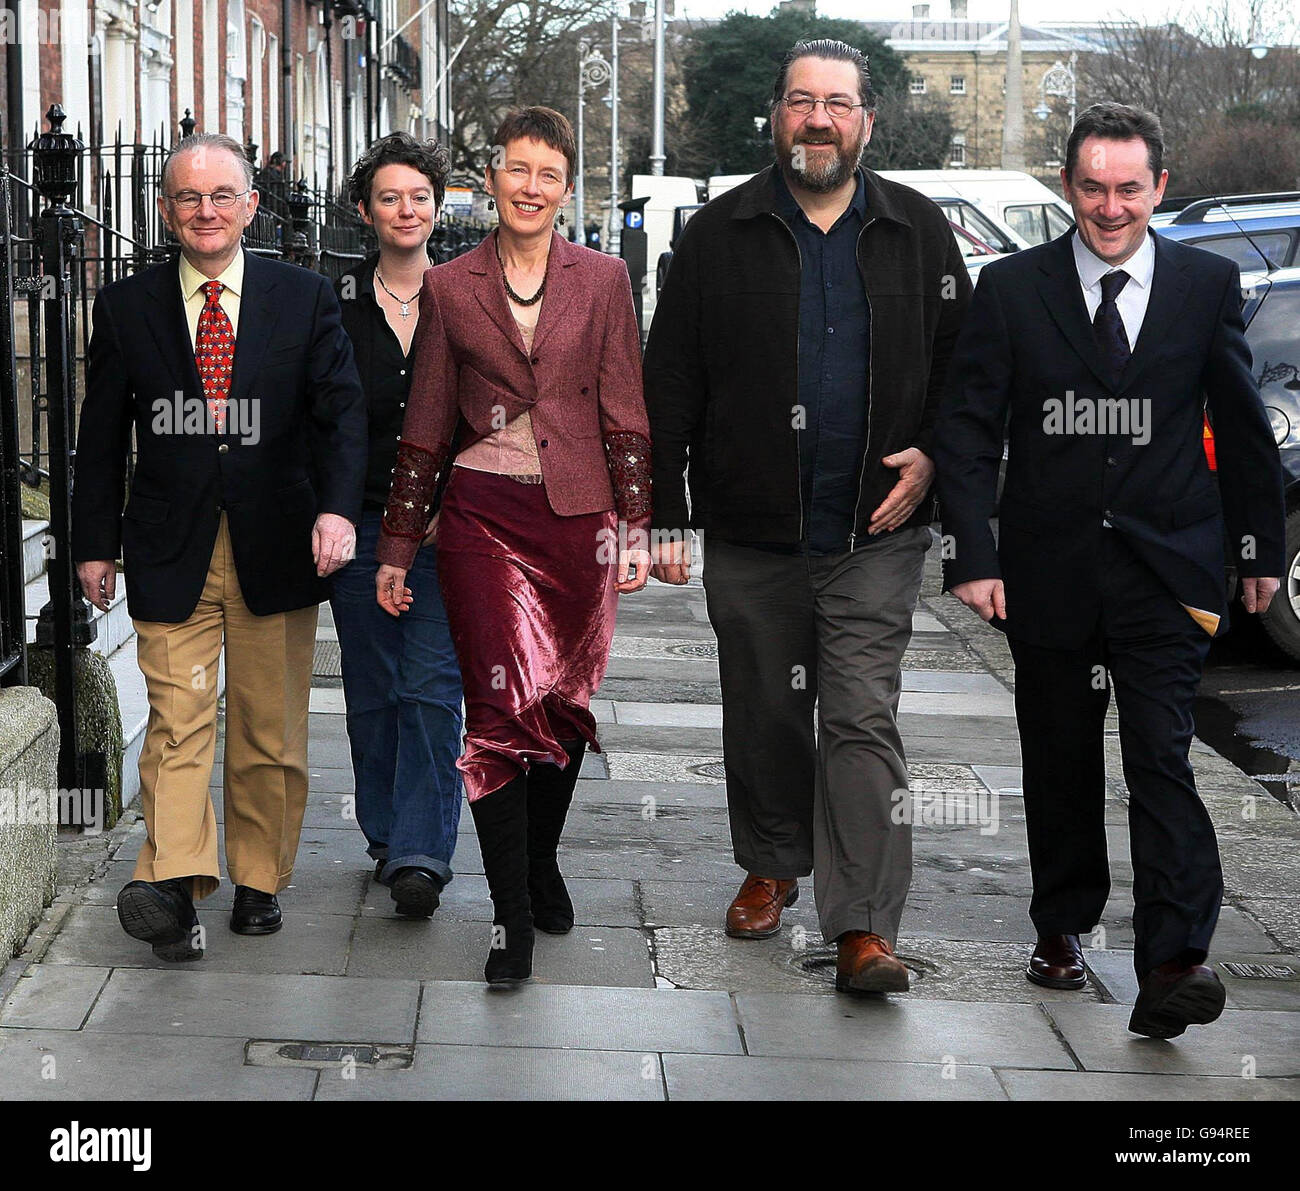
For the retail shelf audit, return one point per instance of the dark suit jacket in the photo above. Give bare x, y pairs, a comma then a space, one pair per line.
1027, 340
581, 385
293, 358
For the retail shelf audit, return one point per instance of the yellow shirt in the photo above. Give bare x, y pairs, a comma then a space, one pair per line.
192, 282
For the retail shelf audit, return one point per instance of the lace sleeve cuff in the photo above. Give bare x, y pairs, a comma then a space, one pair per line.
629, 469
414, 478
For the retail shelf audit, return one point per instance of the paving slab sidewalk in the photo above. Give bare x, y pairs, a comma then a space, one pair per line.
647, 998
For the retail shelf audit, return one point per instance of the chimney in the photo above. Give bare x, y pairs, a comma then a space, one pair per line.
920, 12
958, 10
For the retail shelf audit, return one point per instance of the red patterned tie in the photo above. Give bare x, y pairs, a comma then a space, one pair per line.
214, 353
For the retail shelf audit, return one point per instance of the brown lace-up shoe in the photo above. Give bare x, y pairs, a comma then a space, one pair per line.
756, 911
866, 963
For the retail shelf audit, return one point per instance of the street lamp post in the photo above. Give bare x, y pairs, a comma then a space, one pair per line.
657, 133
1059, 79
611, 244
593, 71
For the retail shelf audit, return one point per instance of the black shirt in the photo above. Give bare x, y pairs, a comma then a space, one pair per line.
385, 375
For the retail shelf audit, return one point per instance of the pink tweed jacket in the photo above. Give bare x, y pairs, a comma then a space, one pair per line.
581, 384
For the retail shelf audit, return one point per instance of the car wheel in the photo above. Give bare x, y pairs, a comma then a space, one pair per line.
1282, 620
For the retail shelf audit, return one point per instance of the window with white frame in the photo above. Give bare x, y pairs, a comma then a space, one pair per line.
916, 84
957, 84
957, 154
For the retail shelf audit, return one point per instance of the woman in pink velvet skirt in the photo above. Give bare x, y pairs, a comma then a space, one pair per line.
527, 381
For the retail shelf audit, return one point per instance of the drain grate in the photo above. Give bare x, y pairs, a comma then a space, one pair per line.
326, 660
1261, 971
713, 769
267, 1052
695, 649
818, 963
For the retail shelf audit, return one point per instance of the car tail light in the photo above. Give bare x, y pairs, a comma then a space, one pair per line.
1207, 440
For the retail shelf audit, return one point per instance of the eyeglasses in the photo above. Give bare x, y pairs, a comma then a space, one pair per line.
802, 105
191, 200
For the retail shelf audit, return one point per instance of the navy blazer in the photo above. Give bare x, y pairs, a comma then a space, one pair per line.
1027, 342
303, 453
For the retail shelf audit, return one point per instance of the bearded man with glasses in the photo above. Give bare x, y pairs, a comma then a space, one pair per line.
238, 380
798, 352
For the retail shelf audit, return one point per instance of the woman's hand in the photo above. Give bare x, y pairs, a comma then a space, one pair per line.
633, 570
391, 591
431, 530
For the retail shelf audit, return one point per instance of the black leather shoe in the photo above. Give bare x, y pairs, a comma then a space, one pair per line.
162, 914
1057, 962
415, 890
1172, 998
379, 871
255, 912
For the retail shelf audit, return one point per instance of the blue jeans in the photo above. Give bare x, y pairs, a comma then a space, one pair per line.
401, 685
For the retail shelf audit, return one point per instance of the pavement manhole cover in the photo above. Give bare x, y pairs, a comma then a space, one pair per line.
695, 649
713, 769
818, 963
326, 660
265, 1052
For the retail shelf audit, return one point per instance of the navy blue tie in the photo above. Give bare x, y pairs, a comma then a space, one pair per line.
1108, 327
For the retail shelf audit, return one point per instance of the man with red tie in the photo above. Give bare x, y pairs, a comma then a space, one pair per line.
236, 375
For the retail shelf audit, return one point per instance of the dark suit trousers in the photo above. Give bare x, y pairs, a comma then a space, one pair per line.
826, 631
1154, 653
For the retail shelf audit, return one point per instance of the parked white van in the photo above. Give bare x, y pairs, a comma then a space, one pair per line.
1015, 201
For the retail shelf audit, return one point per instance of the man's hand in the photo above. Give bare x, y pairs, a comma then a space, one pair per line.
98, 582
915, 471
333, 543
1257, 594
391, 591
431, 530
672, 561
986, 596
627, 559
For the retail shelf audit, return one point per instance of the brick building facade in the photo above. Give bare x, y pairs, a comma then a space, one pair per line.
311, 79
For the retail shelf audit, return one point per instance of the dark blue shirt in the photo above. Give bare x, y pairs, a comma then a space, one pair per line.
834, 354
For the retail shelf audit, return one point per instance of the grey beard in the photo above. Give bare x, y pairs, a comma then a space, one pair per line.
829, 177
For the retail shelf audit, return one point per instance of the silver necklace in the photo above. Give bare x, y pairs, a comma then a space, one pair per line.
406, 302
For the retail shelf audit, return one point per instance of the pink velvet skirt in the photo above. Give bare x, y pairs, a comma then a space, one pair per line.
531, 603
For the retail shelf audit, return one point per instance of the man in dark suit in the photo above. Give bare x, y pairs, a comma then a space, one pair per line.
1104, 347
250, 424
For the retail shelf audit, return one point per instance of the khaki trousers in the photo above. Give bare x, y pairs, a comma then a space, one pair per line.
268, 684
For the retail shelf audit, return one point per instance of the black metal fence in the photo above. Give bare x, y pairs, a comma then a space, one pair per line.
74, 218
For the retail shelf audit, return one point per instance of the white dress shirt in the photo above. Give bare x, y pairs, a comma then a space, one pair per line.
1132, 300
192, 282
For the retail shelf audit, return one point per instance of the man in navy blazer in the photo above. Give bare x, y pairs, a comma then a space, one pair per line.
237, 378
1099, 353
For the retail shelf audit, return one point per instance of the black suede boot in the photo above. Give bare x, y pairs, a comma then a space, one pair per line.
550, 791
501, 820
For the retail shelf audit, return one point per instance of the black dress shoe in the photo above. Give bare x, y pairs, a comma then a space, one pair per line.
255, 912
1172, 998
415, 890
1057, 962
162, 914
379, 871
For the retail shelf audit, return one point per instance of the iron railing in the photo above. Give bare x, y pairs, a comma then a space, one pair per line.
59, 245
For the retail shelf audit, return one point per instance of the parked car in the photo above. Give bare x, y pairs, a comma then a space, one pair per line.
1260, 232
1271, 310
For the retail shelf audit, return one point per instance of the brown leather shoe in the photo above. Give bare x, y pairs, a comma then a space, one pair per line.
1057, 962
755, 913
866, 963
1173, 997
